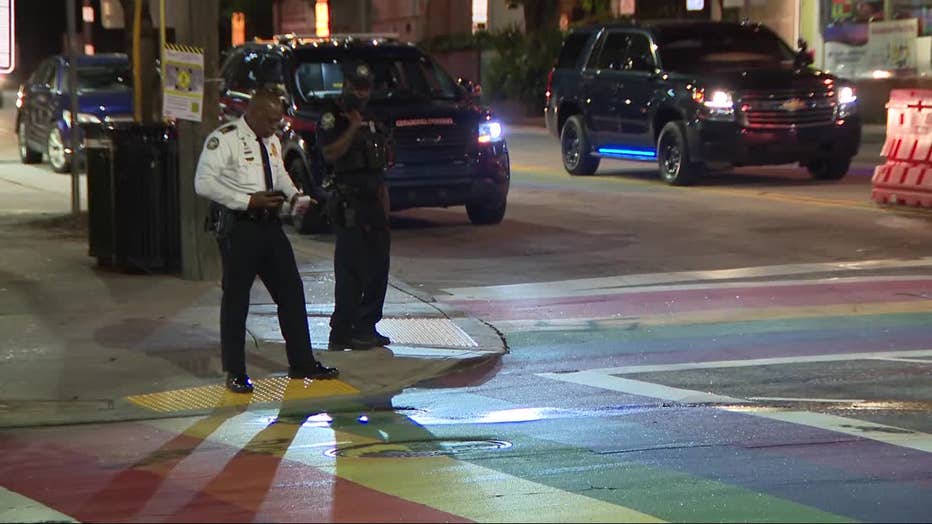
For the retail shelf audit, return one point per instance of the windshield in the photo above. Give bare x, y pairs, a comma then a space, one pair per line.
407, 78
725, 48
108, 77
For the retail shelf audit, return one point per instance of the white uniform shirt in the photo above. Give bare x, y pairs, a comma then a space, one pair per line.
230, 167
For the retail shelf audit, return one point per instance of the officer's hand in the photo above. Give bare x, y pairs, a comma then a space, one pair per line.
266, 200
355, 119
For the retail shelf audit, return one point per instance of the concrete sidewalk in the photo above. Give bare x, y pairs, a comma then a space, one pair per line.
81, 344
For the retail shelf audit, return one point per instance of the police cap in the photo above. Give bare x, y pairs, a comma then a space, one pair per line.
357, 74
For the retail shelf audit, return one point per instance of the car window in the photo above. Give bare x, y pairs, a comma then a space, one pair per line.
572, 47
639, 56
247, 74
44, 76
395, 78
101, 77
231, 69
593, 61
730, 47
613, 50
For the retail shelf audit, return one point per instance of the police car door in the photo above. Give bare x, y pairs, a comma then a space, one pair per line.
637, 81
603, 81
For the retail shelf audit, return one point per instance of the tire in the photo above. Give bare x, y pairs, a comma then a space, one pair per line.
315, 220
486, 214
26, 154
575, 147
676, 168
58, 159
830, 168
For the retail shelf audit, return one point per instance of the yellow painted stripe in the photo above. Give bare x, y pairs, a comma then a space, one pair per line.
267, 390
726, 315
755, 193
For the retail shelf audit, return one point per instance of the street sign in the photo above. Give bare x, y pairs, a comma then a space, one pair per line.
183, 86
7, 37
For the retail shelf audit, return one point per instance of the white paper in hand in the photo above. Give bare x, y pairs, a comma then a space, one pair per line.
301, 205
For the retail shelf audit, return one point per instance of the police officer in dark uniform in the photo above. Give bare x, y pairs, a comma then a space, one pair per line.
356, 146
241, 171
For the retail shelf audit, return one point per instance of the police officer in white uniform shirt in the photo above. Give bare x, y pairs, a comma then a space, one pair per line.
241, 171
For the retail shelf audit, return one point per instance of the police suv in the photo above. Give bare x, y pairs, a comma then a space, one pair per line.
447, 150
697, 95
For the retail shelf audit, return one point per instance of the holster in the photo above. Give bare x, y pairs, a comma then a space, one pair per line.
220, 220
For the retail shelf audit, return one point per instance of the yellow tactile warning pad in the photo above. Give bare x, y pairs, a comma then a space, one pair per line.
435, 332
267, 390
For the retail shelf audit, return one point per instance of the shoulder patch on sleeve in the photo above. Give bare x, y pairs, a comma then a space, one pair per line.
327, 120
213, 143
227, 128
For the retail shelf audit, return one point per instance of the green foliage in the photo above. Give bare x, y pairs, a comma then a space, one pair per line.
518, 70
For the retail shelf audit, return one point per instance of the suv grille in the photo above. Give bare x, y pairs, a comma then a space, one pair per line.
799, 107
428, 144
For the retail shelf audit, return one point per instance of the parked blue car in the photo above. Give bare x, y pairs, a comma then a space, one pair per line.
105, 94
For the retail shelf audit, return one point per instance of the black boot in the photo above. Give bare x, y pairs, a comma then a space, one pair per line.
316, 371
239, 383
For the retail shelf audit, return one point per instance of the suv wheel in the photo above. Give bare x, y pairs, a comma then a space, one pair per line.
575, 146
676, 168
58, 158
831, 168
486, 213
26, 154
315, 220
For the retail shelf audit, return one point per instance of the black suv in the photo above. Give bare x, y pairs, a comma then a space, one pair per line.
698, 95
448, 151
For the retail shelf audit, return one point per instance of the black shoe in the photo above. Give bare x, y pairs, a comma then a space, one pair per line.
239, 383
316, 371
380, 338
357, 343
368, 340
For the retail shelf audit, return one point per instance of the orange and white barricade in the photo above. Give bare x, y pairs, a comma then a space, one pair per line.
906, 177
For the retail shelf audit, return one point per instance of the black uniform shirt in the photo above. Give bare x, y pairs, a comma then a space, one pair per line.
366, 154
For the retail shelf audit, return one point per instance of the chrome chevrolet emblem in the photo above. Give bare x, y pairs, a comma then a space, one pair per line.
794, 104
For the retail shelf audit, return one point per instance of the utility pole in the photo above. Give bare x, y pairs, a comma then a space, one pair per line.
196, 25
73, 103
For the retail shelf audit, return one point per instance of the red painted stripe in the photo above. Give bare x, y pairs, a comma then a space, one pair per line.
133, 472
682, 301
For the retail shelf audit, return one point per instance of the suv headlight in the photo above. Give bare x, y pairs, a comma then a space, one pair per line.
490, 131
718, 104
83, 118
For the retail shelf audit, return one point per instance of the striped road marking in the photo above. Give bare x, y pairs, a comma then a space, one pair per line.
17, 508
606, 378
624, 283
440, 482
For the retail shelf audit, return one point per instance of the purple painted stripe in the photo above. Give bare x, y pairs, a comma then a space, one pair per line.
689, 300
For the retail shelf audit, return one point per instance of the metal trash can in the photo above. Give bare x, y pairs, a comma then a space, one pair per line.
132, 186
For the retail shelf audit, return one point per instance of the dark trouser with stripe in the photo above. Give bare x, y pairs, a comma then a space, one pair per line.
261, 248
360, 265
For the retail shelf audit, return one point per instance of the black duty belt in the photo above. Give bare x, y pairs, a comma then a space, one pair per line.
257, 215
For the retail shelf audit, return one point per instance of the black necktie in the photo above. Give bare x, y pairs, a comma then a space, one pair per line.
266, 165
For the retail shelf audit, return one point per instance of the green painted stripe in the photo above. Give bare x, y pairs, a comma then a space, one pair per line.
669, 495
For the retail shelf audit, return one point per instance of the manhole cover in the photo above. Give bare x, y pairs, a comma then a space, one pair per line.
418, 448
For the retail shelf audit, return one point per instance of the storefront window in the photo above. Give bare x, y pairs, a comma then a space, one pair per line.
877, 38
